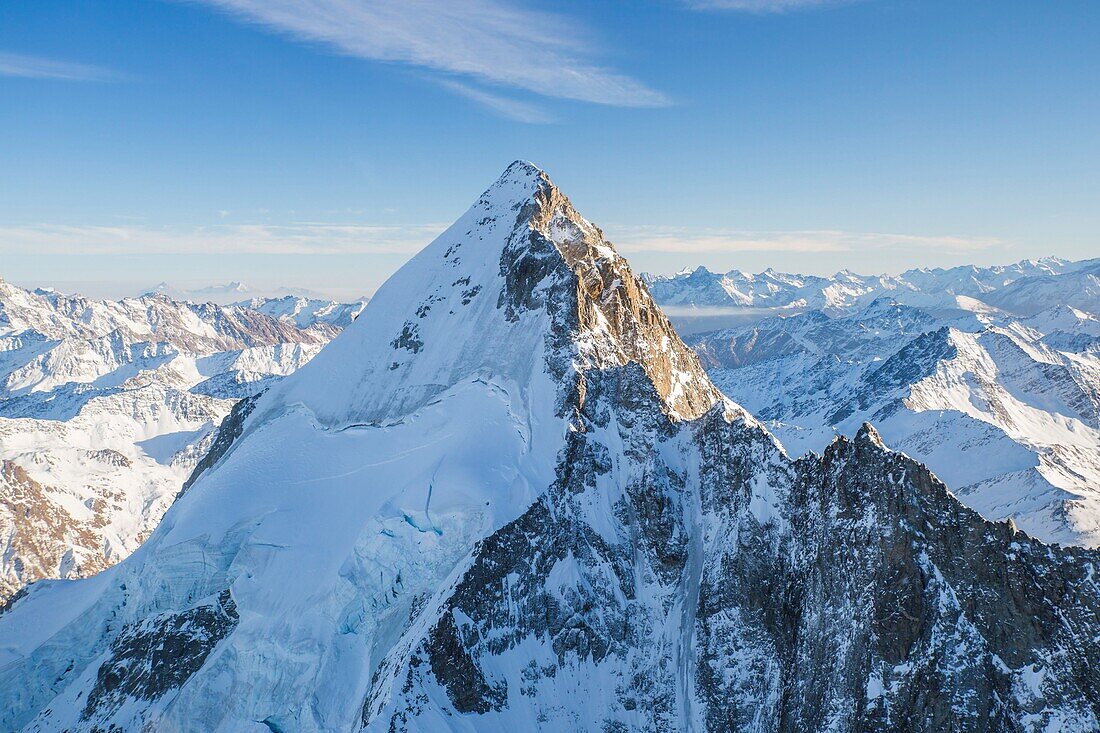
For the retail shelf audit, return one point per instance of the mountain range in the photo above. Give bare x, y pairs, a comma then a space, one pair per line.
1005, 408
1023, 289
232, 293
107, 406
509, 497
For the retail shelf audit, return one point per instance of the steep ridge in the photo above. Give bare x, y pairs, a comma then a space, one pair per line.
508, 300
508, 497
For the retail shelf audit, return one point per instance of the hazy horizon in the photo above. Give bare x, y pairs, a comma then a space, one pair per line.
267, 288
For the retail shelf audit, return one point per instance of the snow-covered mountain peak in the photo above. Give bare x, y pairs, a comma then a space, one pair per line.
522, 290
517, 184
480, 509
161, 287
233, 286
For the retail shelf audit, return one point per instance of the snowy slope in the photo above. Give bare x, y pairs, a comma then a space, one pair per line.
106, 407
507, 497
307, 312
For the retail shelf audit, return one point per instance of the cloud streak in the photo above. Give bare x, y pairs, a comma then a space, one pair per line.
711, 241
320, 238
37, 67
487, 41
303, 238
510, 108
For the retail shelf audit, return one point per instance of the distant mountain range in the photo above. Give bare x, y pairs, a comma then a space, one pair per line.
1027, 287
307, 312
1004, 408
989, 375
233, 292
107, 406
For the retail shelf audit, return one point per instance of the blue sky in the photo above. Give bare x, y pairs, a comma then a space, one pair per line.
318, 143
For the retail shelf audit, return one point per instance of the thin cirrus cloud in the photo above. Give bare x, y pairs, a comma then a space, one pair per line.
38, 67
510, 108
485, 41
302, 238
712, 241
319, 238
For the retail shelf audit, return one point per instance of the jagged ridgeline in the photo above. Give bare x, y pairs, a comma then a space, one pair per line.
507, 497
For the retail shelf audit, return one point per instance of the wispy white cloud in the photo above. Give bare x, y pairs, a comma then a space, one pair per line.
488, 41
328, 238
303, 238
37, 67
764, 6
510, 108
708, 241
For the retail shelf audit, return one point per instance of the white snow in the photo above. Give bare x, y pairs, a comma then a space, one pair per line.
1006, 410
108, 406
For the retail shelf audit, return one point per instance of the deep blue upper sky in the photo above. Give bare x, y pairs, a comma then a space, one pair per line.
320, 142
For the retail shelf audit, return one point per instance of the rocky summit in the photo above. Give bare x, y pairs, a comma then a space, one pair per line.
508, 497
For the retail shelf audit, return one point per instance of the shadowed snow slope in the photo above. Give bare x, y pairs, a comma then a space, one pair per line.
509, 498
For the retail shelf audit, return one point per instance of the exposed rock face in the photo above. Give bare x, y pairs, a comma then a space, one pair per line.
847, 592
508, 498
156, 656
41, 537
229, 430
603, 314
